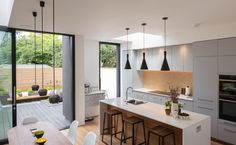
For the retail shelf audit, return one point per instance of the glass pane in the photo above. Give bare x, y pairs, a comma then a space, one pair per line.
5, 84
108, 69
30, 71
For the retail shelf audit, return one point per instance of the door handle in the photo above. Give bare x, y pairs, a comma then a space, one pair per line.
14, 95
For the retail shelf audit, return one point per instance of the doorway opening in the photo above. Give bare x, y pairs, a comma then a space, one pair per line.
109, 68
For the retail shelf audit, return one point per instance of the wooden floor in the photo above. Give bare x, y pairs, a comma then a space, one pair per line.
93, 126
41, 109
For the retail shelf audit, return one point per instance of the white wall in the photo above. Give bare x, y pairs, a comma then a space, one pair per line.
91, 62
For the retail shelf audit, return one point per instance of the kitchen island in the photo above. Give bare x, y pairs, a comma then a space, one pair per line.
194, 131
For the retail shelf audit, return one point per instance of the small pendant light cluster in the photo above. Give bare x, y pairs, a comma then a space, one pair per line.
165, 65
127, 64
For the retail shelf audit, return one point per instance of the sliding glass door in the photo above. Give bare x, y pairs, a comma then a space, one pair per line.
21, 67
6, 83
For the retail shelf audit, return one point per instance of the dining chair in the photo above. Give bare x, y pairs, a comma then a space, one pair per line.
29, 120
72, 134
90, 139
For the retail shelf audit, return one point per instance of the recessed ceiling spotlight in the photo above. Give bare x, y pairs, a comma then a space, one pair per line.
197, 25
25, 26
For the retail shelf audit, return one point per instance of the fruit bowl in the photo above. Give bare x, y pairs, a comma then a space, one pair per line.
41, 141
38, 134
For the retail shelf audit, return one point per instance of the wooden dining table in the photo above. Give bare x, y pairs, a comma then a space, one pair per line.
22, 134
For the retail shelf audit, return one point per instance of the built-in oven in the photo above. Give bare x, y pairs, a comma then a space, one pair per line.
227, 97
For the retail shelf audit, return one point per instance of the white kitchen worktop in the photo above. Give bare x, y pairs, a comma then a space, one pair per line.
195, 131
156, 112
148, 91
95, 92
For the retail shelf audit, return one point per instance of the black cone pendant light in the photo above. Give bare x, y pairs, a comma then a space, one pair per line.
165, 66
127, 65
42, 91
144, 63
35, 87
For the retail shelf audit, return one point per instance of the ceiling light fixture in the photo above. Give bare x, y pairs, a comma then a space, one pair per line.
127, 65
165, 66
144, 63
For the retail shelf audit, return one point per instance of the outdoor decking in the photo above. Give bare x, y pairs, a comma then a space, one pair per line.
41, 109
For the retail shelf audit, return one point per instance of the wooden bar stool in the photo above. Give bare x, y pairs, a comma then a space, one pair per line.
161, 132
134, 121
111, 115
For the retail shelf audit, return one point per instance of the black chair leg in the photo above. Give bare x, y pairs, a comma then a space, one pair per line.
149, 134
133, 135
163, 141
144, 134
174, 139
111, 129
103, 128
159, 138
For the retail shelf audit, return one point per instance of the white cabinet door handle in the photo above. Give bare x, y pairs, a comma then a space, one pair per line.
227, 123
205, 108
205, 100
228, 130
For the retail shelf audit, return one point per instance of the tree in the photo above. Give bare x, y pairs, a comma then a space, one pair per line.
108, 55
25, 49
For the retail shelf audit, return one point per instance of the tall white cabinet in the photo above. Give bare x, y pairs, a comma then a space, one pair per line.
205, 82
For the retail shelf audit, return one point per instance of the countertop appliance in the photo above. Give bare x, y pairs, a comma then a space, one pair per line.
227, 97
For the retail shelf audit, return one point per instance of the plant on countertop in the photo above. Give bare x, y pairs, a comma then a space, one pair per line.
168, 107
168, 104
174, 93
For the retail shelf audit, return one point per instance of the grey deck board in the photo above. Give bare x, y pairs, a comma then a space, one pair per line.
39, 109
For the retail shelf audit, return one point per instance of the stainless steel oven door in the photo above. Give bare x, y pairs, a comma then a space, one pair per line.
227, 110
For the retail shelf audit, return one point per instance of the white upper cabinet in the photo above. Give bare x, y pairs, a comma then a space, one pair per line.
177, 58
227, 46
205, 48
227, 64
188, 57
205, 78
139, 58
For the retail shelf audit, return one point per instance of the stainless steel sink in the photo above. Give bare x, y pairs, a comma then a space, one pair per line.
135, 102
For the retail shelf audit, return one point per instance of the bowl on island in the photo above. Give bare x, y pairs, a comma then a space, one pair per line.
39, 134
41, 141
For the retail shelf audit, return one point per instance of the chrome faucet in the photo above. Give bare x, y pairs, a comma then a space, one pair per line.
126, 97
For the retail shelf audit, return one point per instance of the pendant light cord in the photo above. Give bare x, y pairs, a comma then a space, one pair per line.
42, 5
165, 32
35, 45
127, 29
165, 19
54, 79
144, 24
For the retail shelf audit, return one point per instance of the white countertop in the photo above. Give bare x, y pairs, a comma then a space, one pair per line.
96, 92
156, 112
148, 91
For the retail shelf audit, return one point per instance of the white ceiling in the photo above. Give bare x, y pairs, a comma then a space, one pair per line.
189, 20
5, 11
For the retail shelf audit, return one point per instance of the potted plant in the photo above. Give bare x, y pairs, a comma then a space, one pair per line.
174, 101
168, 107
